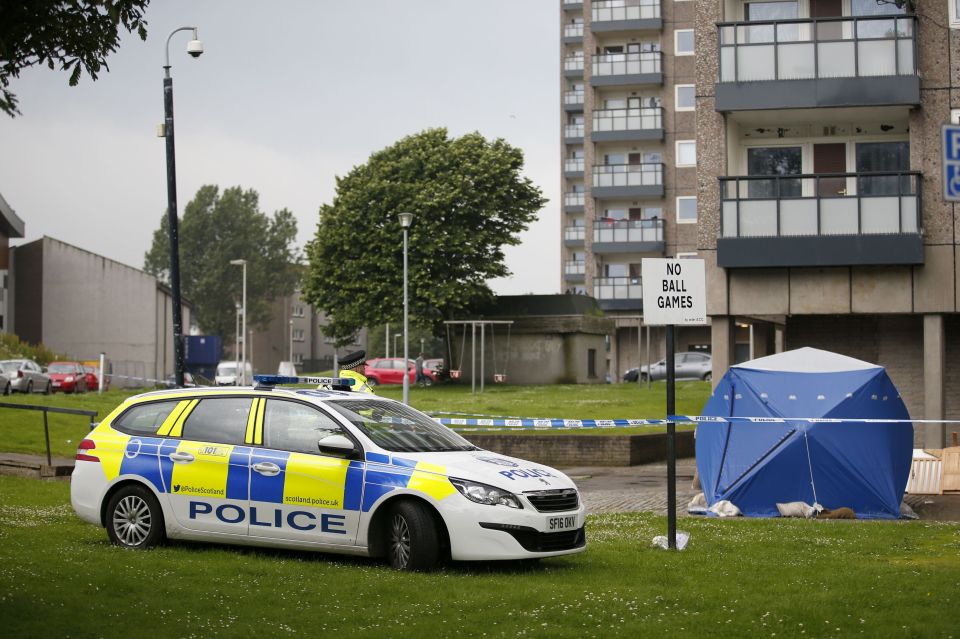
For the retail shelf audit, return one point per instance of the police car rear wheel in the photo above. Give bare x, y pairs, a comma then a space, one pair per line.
134, 518
412, 540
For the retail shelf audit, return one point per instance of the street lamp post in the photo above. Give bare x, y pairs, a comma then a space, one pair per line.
291, 345
406, 219
236, 351
194, 48
243, 345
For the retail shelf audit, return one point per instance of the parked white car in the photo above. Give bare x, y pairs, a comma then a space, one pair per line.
23, 376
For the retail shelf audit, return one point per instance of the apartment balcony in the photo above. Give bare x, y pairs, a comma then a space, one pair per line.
573, 167
628, 236
573, 33
573, 101
573, 134
573, 66
574, 270
621, 69
618, 293
832, 219
572, 5
573, 202
574, 236
624, 125
627, 180
818, 62
613, 16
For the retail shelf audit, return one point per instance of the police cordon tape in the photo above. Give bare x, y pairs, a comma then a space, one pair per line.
544, 424
706, 419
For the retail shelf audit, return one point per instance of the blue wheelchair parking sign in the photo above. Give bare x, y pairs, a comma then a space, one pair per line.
951, 162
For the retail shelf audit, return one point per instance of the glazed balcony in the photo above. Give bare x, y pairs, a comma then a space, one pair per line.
573, 201
574, 270
573, 100
831, 219
628, 236
622, 69
573, 167
573, 66
625, 125
628, 180
818, 62
612, 16
573, 133
618, 293
573, 33
574, 235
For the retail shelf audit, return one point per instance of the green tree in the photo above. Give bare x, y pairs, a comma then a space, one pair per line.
218, 228
469, 199
75, 35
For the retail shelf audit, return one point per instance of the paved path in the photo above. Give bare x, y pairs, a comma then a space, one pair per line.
633, 488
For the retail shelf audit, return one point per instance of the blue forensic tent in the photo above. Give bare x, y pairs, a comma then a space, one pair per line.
755, 465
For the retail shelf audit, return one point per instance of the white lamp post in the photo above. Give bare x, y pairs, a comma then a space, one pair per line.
406, 219
243, 371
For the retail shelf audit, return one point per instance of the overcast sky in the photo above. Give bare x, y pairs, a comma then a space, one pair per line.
286, 96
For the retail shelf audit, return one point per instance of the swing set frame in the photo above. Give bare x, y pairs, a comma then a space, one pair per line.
456, 373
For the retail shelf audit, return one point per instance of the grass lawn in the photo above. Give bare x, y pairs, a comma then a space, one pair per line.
22, 431
737, 578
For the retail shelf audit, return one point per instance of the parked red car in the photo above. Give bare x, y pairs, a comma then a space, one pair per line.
92, 382
68, 377
389, 370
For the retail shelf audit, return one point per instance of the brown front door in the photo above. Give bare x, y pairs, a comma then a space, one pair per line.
827, 9
830, 158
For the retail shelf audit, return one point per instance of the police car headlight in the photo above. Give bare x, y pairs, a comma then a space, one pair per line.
483, 494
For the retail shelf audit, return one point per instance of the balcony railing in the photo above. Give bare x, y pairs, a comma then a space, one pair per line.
816, 48
618, 288
574, 267
642, 62
573, 63
574, 30
645, 118
628, 231
573, 98
573, 131
820, 204
574, 233
607, 10
610, 175
573, 198
573, 165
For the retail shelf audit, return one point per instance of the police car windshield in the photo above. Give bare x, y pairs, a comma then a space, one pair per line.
396, 428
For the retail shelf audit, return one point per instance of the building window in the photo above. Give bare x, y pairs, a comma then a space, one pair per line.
954, 13
687, 209
685, 98
298, 334
687, 256
298, 358
298, 310
683, 42
774, 161
686, 152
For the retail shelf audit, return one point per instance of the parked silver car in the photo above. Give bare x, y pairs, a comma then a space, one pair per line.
690, 365
24, 376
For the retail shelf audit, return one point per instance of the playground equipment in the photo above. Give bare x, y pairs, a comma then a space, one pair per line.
457, 371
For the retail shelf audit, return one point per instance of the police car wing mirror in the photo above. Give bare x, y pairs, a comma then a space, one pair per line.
336, 444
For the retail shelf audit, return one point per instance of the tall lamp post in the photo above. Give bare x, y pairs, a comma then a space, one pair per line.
406, 219
243, 357
194, 48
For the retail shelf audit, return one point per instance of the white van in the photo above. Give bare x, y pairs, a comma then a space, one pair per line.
227, 373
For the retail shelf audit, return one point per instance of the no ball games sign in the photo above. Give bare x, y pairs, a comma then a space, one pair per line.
674, 292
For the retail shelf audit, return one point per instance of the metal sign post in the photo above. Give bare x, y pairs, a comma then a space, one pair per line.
674, 292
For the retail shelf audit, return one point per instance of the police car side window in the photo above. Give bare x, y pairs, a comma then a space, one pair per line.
144, 419
221, 420
296, 427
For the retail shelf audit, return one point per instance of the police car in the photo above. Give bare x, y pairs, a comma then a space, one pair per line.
329, 470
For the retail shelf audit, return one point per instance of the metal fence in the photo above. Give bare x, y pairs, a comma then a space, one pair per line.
46, 427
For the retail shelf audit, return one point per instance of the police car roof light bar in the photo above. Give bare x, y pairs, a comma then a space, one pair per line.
267, 381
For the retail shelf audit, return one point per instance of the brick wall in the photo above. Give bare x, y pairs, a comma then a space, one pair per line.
586, 450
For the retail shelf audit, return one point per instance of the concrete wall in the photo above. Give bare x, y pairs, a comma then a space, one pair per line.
586, 450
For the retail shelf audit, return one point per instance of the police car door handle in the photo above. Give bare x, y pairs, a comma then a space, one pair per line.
182, 457
266, 468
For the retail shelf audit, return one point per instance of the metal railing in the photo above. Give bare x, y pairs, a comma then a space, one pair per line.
637, 119
573, 63
573, 198
574, 233
627, 63
46, 427
609, 230
573, 97
618, 288
573, 165
814, 48
607, 10
574, 267
820, 204
573, 30
649, 174
573, 131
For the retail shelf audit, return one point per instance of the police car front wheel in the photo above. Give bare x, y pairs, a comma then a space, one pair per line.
134, 518
412, 539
